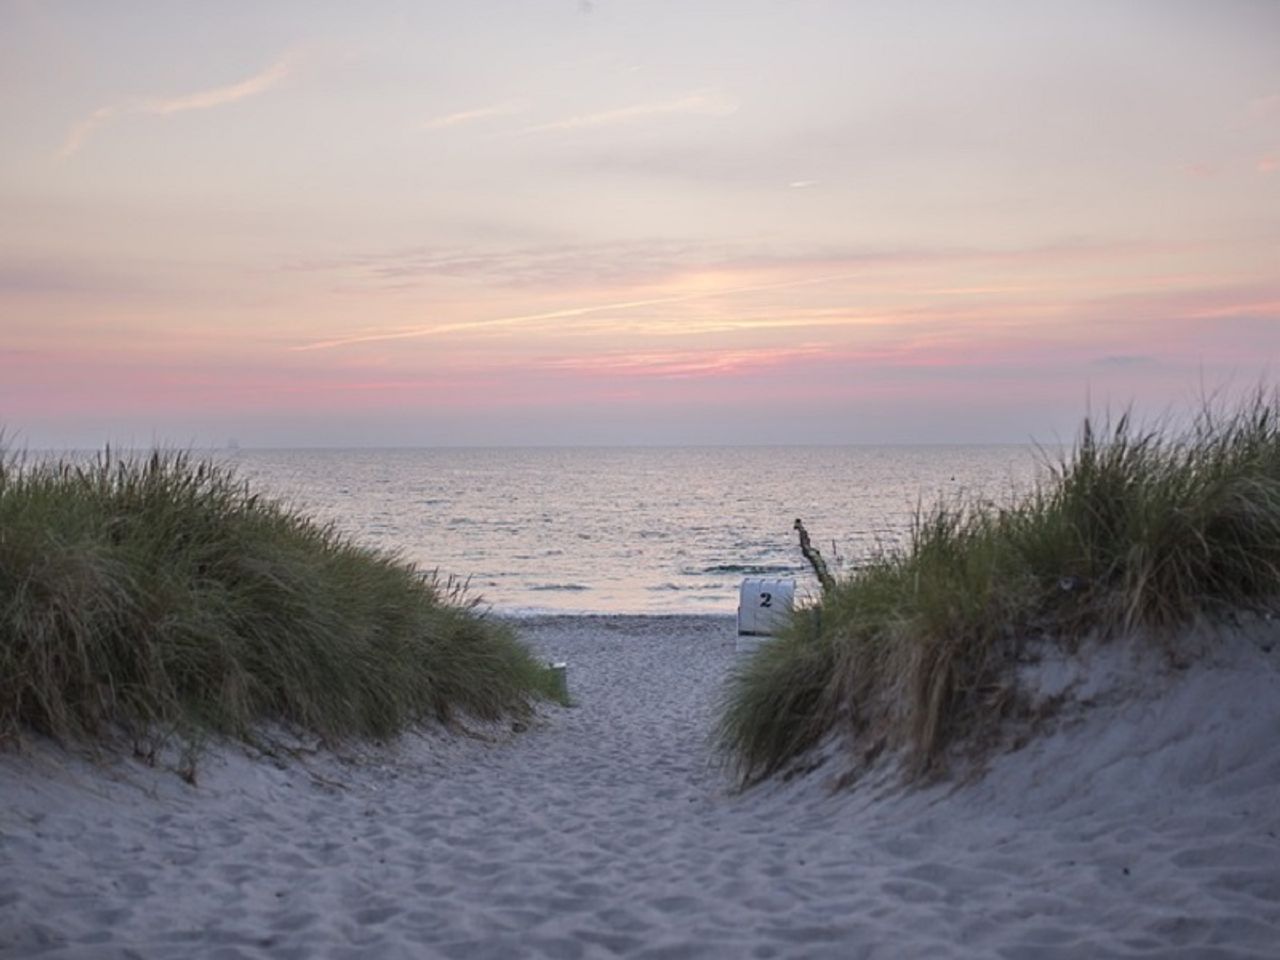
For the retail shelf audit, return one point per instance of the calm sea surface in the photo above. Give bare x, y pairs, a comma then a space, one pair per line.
628, 530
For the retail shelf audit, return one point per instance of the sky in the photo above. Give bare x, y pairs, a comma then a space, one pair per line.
630, 221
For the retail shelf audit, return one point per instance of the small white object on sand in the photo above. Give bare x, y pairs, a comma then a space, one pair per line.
1145, 825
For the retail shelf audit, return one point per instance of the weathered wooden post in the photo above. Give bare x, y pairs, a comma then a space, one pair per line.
815, 558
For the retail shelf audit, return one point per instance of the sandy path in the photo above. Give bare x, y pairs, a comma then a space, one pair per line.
609, 830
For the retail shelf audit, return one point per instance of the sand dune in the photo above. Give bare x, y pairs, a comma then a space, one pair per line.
1145, 825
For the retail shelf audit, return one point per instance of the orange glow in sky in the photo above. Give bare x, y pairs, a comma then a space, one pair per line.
629, 222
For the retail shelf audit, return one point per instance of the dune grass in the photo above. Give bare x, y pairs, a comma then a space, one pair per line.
1135, 530
159, 596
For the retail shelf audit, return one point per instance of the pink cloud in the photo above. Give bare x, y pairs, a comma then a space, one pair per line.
44, 383
682, 364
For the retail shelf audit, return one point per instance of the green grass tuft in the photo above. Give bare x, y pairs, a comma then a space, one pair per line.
160, 596
1134, 530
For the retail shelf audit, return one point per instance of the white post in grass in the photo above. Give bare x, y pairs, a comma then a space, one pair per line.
560, 678
764, 608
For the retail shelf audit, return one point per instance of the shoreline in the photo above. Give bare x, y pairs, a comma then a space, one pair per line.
1145, 825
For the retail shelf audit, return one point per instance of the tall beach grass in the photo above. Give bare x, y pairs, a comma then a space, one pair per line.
1136, 529
158, 595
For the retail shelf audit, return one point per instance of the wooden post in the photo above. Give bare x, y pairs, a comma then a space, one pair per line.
815, 558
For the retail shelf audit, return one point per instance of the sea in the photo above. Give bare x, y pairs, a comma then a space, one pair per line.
634, 530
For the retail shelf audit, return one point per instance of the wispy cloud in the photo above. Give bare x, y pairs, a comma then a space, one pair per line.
652, 262
79, 133
1229, 306
682, 364
559, 264
565, 314
707, 103
469, 116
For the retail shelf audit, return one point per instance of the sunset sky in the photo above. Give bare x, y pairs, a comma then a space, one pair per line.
542, 222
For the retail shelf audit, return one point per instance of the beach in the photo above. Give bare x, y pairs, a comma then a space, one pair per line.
1142, 821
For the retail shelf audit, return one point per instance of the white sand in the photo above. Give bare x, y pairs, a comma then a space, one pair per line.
1147, 826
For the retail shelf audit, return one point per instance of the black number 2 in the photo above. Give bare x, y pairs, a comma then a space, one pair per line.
766, 599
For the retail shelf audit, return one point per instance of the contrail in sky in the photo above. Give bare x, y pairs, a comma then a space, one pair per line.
561, 314
201, 100
698, 103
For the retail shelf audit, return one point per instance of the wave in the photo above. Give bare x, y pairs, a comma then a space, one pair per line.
756, 568
568, 587
686, 588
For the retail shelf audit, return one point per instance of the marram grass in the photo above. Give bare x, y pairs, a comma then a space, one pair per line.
1135, 530
158, 596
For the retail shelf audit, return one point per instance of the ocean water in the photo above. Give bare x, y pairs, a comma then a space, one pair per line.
629, 530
